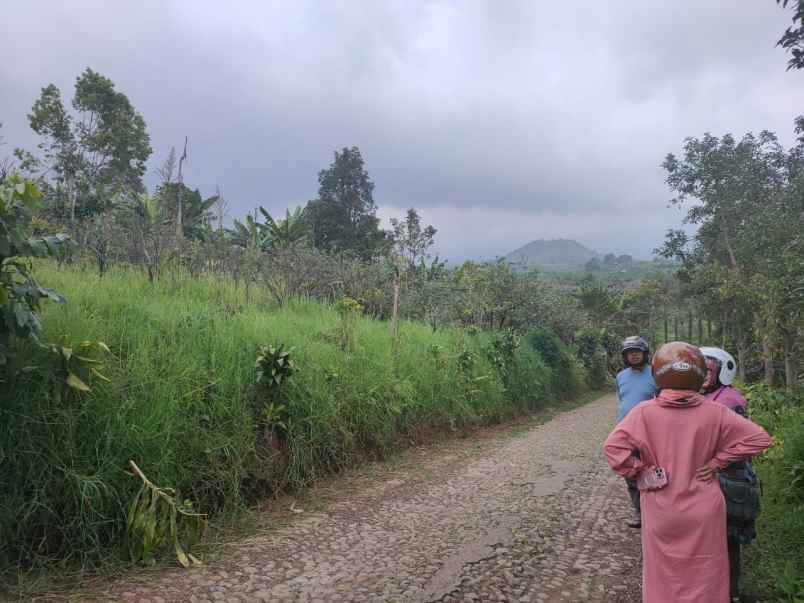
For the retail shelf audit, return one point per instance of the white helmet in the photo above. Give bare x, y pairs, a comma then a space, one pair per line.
728, 367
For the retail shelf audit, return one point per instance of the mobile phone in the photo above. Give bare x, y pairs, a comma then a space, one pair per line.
652, 478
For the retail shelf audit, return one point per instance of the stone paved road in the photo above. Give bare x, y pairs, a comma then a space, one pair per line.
535, 516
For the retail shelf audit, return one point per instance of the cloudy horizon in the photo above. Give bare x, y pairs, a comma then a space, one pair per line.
500, 122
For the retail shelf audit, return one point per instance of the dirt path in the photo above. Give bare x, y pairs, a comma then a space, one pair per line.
534, 516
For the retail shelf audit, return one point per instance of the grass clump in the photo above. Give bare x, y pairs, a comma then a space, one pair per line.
185, 403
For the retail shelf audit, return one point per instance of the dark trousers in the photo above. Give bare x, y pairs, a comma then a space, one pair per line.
633, 493
734, 562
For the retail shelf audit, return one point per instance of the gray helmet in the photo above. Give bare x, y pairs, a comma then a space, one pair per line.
635, 342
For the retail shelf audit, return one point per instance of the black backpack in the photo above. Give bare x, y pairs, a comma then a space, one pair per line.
741, 490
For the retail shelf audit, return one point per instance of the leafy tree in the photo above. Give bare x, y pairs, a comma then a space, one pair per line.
89, 156
344, 217
793, 38
20, 294
743, 261
410, 240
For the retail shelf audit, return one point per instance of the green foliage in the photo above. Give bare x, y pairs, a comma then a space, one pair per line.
521, 370
593, 347
75, 366
196, 212
89, 157
344, 217
270, 235
567, 375
348, 309
793, 38
743, 265
20, 293
274, 366
775, 564
158, 518
181, 403
411, 241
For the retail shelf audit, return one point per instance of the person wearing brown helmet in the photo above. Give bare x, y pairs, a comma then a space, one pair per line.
682, 441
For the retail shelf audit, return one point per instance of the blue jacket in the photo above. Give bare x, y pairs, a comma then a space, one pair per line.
634, 387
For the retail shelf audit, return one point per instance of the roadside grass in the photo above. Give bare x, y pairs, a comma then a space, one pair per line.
183, 404
774, 563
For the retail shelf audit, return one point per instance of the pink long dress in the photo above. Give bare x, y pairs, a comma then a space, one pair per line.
684, 555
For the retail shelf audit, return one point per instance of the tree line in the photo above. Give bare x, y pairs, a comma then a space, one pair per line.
740, 282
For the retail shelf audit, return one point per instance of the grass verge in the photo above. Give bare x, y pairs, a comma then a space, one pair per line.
183, 403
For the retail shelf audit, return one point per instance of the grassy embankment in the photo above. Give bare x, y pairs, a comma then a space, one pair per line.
183, 404
774, 564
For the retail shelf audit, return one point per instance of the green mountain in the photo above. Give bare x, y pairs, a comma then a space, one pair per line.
556, 252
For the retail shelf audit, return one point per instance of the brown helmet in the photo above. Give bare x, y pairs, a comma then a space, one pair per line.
679, 365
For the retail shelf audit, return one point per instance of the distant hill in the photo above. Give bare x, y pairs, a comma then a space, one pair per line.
557, 252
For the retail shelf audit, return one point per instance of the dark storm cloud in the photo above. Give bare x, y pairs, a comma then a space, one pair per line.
502, 121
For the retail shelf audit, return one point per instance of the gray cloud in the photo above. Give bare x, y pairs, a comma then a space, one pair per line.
503, 121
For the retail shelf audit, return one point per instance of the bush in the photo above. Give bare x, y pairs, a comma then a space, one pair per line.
591, 345
568, 375
775, 563
526, 378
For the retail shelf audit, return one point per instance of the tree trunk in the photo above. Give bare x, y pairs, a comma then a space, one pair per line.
395, 325
666, 328
790, 365
689, 326
675, 327
179, 187
741, 359
767, 360
700, 330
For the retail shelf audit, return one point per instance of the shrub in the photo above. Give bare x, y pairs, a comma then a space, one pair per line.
568, 375
775, 563
592, 352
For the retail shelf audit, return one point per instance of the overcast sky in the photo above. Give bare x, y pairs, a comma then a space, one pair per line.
501, 121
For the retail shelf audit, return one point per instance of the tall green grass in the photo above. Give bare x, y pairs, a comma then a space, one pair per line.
182, 397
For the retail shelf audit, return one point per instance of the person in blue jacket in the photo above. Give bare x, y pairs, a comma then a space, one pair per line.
635, 384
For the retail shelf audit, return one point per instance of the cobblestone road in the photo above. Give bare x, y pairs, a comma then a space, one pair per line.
534, 516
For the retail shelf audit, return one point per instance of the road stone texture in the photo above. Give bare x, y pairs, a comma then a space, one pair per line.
533, 516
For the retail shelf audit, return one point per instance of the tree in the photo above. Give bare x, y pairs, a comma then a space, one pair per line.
742, 262
410, 240
344, 217
793, 38
89, 156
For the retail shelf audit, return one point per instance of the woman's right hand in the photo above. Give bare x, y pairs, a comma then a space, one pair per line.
705, 473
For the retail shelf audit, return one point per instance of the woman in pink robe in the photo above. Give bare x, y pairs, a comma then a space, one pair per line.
684, 555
